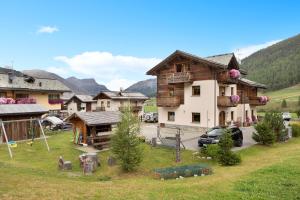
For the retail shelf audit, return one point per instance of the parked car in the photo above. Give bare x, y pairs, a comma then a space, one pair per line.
54, 123
213, 135
151, 117
286, 116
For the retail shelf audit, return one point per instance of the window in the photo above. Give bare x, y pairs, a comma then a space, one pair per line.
196, 90
171, 92
40, 84
196, 117
171, 116
231, 88
21, 96
3, 94
108, 104
53, 97
232, 115
179, 67
102, 103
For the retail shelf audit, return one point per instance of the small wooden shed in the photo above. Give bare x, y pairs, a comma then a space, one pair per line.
94, 128
20, 120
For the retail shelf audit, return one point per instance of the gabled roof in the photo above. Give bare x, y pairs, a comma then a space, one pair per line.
14, 80
82, 98
21, 109
223, 59
251, 83
188, 55
97, 118
123, 95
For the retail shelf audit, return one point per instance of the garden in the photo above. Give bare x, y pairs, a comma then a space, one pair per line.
33, 172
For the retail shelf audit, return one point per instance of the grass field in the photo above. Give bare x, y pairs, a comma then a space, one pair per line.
265, 173
150, 105
291, 95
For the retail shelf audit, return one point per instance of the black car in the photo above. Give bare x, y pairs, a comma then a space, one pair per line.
213, 135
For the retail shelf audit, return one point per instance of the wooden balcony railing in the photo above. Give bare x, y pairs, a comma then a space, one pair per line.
133, 108
255, 101
179, 77
225, 101
168, 101
244, 100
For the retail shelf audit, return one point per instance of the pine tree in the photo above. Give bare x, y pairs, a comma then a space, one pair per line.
283, 104
125, 142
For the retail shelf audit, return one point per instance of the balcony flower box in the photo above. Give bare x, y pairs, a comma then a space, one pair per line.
26, 101
263, 99
7, 101
55, 101
234, 73
235, 99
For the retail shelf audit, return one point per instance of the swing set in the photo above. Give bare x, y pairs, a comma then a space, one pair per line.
31, 120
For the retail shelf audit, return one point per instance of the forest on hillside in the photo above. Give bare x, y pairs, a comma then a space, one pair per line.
277, 66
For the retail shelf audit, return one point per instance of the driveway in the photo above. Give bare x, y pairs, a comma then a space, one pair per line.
190, 139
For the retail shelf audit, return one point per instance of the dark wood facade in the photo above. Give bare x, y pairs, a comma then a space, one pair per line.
21, 130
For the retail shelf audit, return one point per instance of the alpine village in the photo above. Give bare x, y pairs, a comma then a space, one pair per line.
190, 126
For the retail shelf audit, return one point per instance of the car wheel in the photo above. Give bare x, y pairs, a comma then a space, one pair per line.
239, 142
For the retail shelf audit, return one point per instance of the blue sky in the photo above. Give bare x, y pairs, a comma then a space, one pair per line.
116, 42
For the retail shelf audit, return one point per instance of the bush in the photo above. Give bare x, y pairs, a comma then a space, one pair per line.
126, 143
225, 156
264, 134
296, 130
275, 122
211, 150
298, 113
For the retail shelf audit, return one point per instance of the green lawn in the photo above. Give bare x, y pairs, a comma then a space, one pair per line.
150, 105
265, 173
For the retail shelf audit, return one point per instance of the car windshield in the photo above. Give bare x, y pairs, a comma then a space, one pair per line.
215, 132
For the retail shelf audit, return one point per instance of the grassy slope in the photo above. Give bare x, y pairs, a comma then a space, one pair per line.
291, 95
266, 173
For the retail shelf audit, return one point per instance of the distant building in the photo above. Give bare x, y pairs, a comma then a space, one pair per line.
117, 101
45, 91
204, 92
81, 103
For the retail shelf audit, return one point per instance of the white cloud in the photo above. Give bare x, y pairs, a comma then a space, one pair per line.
117, 84
114, 71
47, 29
244, 52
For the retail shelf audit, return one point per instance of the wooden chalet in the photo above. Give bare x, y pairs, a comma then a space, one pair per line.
94, 128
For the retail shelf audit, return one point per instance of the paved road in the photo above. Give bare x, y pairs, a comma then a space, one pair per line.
190, 139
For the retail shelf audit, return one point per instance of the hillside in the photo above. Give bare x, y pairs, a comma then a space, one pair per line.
78, 86
277, 66
147, 87
290, 94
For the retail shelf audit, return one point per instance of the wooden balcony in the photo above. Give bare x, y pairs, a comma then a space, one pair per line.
179, 77
224, 77
254, 101
244, 100
133, 108
225, 101
168, 101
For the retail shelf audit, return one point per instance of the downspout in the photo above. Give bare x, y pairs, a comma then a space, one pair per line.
215, 98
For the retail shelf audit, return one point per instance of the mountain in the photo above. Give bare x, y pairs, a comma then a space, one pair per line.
78, 86
147, 87
89, 85
277, 66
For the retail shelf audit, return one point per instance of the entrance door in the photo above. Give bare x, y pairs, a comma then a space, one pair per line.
222, 118
88, 107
